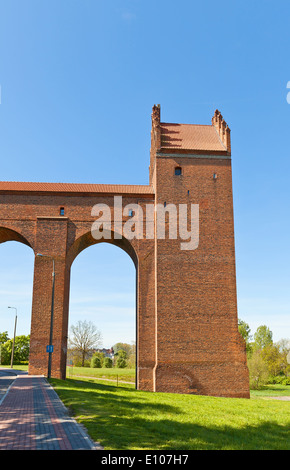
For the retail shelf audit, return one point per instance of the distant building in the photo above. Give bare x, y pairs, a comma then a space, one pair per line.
107, 352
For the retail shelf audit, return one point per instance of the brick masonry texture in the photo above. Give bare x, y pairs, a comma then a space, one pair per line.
186, 313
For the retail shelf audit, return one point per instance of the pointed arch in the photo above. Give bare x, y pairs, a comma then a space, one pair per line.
85, 240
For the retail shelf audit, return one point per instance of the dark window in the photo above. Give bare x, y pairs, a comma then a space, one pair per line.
178, 171
61, 211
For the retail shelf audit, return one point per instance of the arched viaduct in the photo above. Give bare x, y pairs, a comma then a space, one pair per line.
186, 312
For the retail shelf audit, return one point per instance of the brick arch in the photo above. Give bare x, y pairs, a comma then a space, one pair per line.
86, 240
63, 238
7, 234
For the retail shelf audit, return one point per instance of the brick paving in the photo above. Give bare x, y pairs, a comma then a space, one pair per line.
32, 417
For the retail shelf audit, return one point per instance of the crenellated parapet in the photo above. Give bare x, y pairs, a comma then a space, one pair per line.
156, 130
222, 129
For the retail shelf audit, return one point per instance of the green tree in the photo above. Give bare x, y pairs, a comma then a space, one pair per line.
122, 353
130, 350
245, 330
100, 355
96, 362
21, 350
124, 347
121, 359
6, 350
121, 363
83, 338
273, 358
284, 348
258, 371
4, 337
108, 363
263, 337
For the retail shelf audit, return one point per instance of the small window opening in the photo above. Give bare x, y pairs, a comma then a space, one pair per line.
130, 213
178, 171
61, 211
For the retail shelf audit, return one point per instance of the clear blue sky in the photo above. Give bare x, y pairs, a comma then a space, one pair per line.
78, 81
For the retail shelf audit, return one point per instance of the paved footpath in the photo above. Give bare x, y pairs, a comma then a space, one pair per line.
32, 417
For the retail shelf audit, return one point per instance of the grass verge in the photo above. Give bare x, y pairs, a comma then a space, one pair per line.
125, 375
122, 418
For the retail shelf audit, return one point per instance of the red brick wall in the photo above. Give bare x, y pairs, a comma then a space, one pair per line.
199, 349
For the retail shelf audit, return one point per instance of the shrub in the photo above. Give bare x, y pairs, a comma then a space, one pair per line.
96, 362
121, 363
279, 379
108, 363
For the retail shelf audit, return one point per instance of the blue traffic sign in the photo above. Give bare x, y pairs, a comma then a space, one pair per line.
49, 348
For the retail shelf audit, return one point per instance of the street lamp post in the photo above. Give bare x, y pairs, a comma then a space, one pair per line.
13, 344
51, 316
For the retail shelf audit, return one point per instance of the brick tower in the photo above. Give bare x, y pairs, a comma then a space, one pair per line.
198, 346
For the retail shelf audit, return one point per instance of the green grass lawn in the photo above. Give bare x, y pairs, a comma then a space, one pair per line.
125, 375
273, 390
16, 367
124, 418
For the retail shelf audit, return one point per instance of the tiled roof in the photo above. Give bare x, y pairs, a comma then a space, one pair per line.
75, 188
190, 137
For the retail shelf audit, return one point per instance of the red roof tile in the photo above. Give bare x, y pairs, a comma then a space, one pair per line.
190, 137
75, 188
